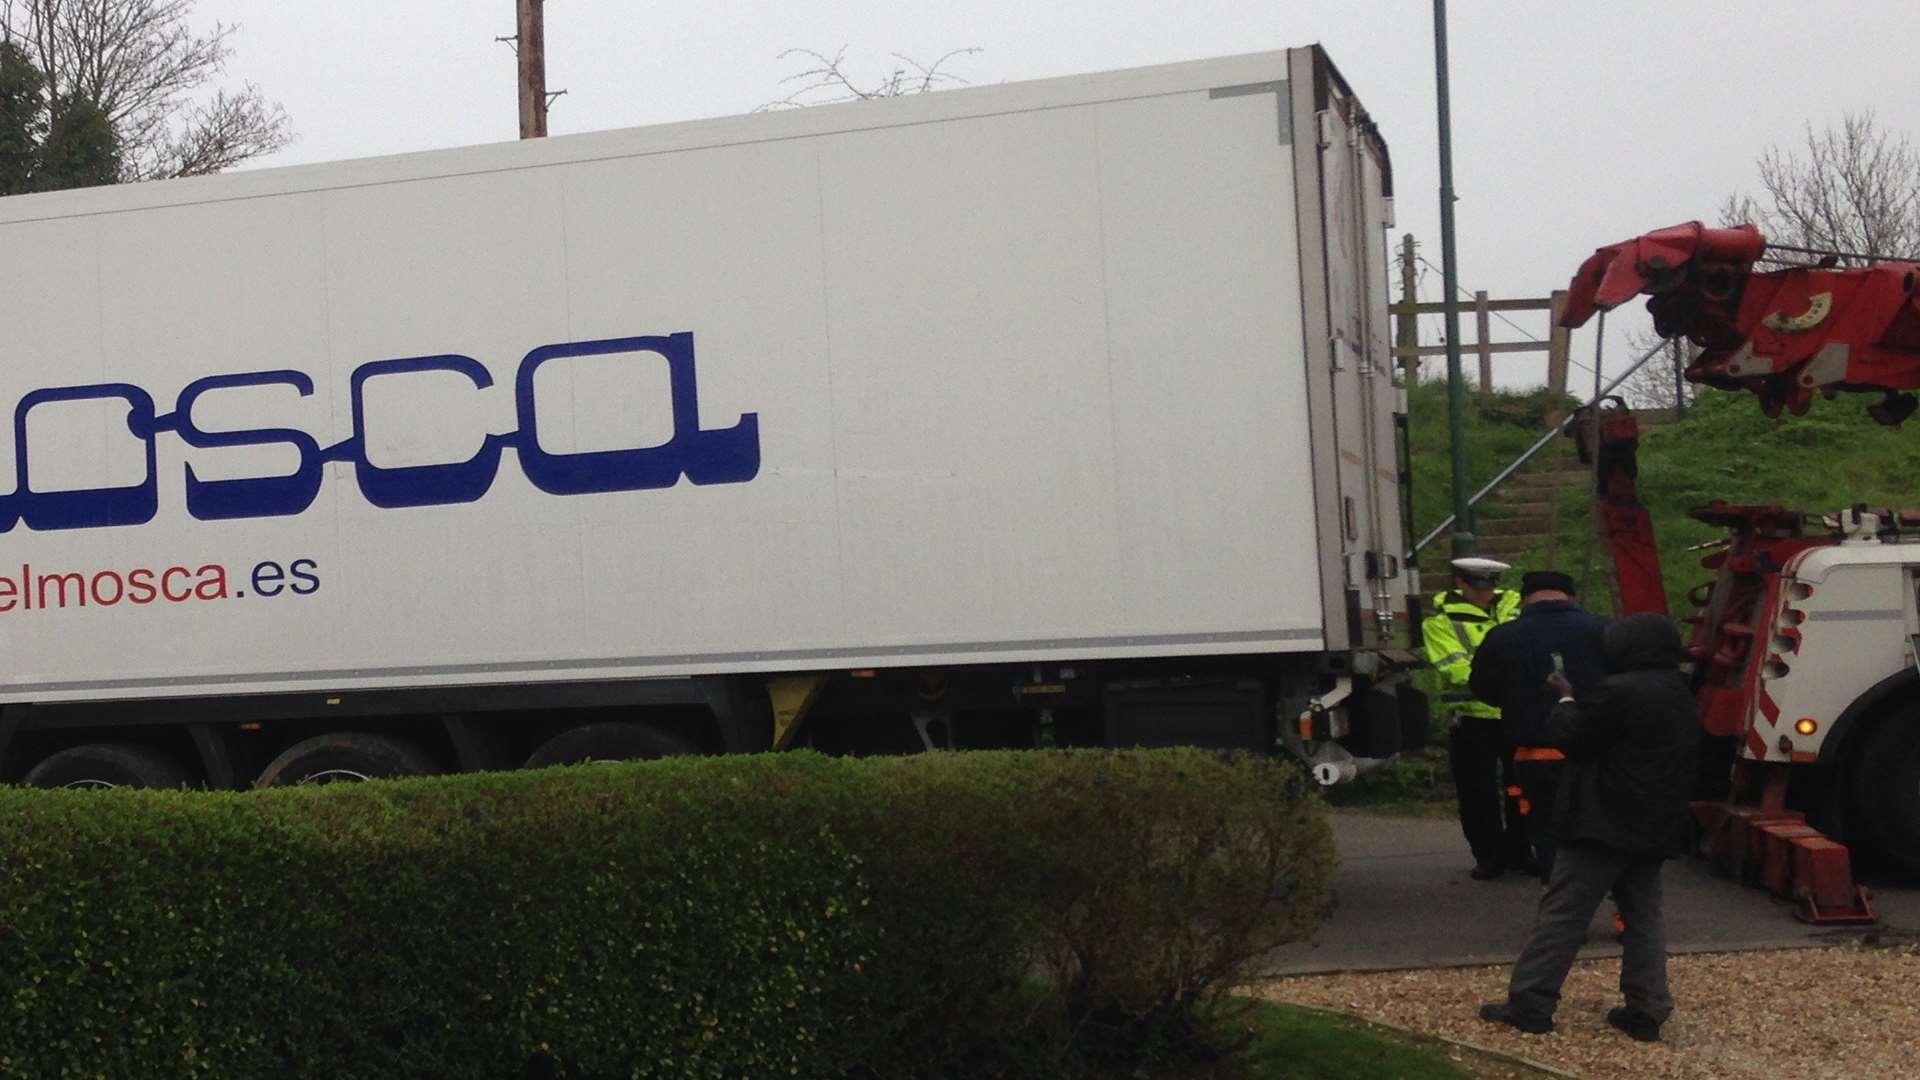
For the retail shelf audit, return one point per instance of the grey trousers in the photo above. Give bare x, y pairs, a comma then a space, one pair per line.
1582, 877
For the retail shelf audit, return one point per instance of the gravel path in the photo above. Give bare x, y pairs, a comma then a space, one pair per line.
1805, 1013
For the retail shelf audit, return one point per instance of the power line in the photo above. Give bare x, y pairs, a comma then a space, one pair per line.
1524, 332
1468, 296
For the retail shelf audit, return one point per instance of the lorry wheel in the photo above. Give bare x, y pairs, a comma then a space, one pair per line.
617, 740
1886, 789
107, 765
346, 757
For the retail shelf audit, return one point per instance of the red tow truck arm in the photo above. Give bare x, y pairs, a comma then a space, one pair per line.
1782, 334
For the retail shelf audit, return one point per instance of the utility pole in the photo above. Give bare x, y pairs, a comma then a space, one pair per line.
532, 49
1463, 541
1407, 328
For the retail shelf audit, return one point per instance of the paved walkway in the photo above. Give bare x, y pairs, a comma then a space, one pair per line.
1402, 899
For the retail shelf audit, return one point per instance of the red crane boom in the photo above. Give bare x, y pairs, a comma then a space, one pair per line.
1782, 334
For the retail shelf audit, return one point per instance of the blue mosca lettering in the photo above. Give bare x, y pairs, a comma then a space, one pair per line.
704, 456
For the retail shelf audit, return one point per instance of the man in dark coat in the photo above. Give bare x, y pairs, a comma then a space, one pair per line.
1631, 746
1552, 633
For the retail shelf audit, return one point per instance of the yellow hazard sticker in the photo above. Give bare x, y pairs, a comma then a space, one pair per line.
1818, 307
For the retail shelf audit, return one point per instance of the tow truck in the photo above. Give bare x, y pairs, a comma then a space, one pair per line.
1805, 647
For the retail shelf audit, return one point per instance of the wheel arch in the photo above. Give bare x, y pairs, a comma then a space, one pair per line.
1901, 687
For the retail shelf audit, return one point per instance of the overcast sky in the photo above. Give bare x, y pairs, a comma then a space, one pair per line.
1575, 124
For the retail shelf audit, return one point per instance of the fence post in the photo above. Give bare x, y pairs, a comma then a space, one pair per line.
1558, 340
1485, 331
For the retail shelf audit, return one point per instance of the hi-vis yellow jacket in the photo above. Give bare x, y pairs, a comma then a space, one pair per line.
1452, 634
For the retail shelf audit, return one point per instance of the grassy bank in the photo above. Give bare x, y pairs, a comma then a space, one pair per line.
1499, 427
1725, 448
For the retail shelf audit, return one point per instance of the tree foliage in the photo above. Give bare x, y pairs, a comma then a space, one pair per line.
46, 143
1851, 187
122, 90
81, 148
23, 119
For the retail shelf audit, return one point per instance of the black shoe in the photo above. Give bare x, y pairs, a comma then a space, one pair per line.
1635, 1023
1529, 867
1500, 1012
1486, 871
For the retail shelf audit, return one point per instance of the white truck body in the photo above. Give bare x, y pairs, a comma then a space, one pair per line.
1844, 621
1087, 367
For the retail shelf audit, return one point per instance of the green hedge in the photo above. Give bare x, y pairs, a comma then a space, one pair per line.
779, 915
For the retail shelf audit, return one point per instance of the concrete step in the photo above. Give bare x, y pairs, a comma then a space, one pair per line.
1514, 526
1496, 540
1506, 544
1520, 518
1540, 480
1490, 527
1516, 508
1539, 493
1502, 546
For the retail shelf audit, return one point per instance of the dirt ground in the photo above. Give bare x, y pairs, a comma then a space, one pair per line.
1784, 1015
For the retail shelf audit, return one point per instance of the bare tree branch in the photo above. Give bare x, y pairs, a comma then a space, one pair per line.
1657, 384
827, 81
219, 134
1847, 188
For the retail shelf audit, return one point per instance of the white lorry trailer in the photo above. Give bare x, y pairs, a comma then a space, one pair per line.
1048, 412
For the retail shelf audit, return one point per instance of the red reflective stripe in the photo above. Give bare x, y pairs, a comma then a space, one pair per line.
1538, 753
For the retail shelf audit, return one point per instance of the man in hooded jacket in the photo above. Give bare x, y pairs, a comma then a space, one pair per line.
1621, 812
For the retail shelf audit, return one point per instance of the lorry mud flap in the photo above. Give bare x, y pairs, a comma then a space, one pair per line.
10, 718
742, 711
1416, 716
1375, 729
216, 757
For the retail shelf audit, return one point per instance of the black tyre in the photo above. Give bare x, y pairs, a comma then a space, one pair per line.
615, 740
108, 765
1886, 790
346, 757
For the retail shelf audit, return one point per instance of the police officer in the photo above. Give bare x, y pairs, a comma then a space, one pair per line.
1477, 752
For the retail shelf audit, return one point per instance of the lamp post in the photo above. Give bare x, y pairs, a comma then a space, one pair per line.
1463, 541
